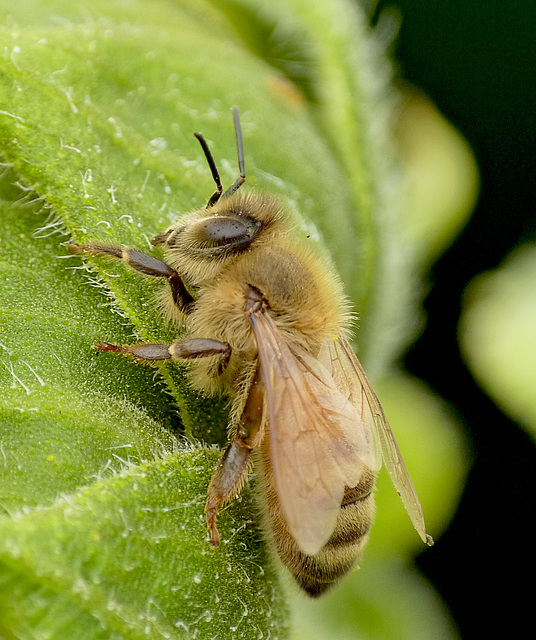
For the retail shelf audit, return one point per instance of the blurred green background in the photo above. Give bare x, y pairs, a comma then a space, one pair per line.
477, 61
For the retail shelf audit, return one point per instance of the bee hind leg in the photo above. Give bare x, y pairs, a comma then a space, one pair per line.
232, 470
226, 483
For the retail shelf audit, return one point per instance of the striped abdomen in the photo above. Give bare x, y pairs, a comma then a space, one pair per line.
315, 574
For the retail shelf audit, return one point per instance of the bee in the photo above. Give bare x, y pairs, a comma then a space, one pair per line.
268, 324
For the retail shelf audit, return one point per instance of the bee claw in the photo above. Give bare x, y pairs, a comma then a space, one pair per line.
211, 510
106, 346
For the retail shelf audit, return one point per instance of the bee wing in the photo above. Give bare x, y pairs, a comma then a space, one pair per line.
318, 445
350, 376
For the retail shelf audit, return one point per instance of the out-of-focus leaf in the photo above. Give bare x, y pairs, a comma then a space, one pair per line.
358, 609
442, 176
437, 458
436, 190
498, 334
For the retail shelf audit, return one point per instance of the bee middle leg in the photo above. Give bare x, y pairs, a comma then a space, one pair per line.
231, 472
183, 350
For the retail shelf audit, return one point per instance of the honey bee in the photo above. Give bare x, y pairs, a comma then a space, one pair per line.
267, 323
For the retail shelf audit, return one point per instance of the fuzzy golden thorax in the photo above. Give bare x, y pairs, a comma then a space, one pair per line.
302, 294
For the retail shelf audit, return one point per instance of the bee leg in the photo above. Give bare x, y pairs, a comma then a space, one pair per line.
226, 483
231, 472
184, 350
141, 262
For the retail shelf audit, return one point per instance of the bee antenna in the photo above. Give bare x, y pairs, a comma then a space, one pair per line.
217, 194
215, 175
240, 147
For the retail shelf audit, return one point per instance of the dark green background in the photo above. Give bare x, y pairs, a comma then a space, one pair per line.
477, 61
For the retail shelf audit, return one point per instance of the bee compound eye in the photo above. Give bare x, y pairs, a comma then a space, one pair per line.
227, 230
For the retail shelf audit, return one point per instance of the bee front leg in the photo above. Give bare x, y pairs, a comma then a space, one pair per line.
143, 263
232, 470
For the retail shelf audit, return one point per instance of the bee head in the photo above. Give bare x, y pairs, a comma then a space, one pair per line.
206, 240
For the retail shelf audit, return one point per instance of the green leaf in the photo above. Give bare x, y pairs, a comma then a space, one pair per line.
128, 558
103, 484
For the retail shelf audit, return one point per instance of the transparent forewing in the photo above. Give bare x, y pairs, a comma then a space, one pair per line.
362, 395
318, 445
333, 356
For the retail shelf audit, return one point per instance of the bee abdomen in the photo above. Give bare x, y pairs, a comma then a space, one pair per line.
316, 574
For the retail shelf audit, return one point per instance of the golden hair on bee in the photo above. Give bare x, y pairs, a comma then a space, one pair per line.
267, 323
